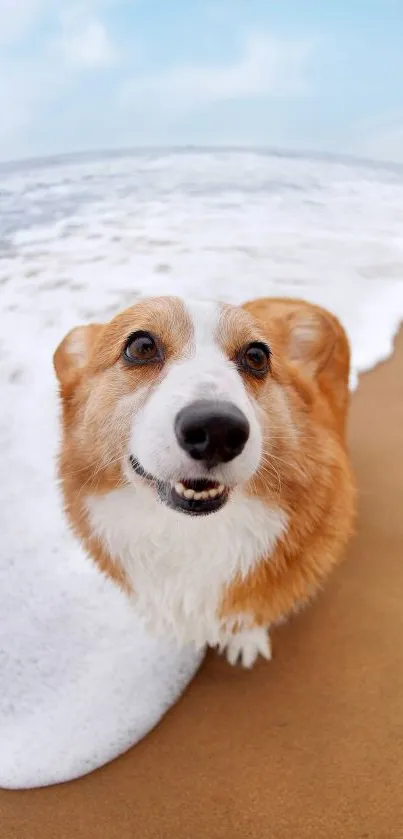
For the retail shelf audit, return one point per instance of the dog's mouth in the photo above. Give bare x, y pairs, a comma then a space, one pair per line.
198, 497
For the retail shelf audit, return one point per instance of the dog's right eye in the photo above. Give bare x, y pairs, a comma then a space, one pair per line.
142, 348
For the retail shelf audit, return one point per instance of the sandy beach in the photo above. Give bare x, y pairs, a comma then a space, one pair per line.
309, 745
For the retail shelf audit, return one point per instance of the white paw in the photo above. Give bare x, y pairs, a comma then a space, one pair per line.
247, 646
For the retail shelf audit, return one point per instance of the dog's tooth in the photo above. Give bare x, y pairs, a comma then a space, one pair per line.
203, 495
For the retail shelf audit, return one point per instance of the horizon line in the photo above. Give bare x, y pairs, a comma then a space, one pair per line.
186, 148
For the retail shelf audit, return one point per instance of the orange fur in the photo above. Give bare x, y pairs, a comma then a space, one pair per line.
310, 472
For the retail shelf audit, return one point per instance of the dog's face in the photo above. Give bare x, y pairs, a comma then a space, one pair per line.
187, 398
168, 393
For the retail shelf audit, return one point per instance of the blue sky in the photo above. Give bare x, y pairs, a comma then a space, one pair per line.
321, 75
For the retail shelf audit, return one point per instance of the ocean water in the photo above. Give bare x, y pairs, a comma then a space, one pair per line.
81, 238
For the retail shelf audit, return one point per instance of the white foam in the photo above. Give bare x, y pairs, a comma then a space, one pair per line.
81, 240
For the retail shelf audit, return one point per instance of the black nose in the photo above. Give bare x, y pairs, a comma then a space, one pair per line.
215, 432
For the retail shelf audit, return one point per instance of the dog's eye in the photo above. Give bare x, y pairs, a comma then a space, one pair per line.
141, 348
256, 358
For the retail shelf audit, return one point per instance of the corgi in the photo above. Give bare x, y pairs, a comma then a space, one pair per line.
203, 461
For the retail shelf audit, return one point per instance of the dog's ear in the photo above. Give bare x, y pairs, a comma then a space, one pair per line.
305, 334
72, 355
310, 338
313, 340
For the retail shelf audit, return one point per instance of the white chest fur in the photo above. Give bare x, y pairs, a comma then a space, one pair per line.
179, 565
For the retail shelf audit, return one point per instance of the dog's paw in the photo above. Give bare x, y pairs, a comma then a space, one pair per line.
247, 646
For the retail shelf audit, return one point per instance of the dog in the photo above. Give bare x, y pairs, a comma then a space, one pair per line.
203, 461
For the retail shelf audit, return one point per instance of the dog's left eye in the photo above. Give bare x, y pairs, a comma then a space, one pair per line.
141, 348
255, 358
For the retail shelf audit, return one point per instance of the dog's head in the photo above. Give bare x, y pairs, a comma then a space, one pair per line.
188, 397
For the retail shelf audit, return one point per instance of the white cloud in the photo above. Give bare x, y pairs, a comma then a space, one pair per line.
86, 44
76, 41
266, 66
16, 18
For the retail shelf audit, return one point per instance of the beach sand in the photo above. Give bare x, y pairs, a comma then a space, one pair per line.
307, 747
